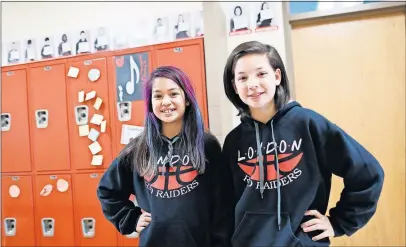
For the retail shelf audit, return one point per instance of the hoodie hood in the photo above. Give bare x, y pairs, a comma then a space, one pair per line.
250, 122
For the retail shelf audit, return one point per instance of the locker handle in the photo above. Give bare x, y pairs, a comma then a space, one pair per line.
48, 227
124, 111
177, 49
88, 227
41, 117
10, 226
5, 122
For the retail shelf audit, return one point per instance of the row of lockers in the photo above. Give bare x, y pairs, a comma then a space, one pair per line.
39, 211
40, 107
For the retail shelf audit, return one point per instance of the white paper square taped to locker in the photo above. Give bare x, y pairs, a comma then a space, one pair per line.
129, 132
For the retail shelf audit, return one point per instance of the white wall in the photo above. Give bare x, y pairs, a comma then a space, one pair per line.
35, 19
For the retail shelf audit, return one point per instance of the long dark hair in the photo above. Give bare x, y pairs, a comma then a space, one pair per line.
144, 150
282, 93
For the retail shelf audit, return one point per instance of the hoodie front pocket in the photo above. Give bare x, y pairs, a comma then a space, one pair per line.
260, 229
168, 234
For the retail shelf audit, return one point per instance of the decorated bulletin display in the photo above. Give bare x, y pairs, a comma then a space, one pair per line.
149, 31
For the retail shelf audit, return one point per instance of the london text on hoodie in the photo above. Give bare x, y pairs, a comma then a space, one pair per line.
188, 209
273, 195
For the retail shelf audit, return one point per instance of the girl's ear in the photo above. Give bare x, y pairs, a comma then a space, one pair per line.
278, 77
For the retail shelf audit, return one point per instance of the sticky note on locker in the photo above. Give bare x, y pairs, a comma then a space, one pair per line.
90, 95
98, 103
97, 119
84, 130
97, 160
95, 148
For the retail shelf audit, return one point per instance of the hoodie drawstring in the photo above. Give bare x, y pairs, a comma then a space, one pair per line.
169, 154
261, 169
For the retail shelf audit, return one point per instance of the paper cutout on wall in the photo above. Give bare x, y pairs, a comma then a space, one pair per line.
64, 43
131, 74
29, 50
181, 26
129, 132
100, 39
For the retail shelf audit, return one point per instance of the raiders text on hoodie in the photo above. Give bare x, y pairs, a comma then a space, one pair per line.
188, 209
272, 195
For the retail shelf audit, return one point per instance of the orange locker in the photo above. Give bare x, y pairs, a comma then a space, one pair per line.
54, 210
92, 229
48, 118
14, 122
189, 57
128, 73
84, 112
17, 214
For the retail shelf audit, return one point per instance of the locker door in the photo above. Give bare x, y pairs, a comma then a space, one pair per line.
81, 114
54, 210
14, 122
17, 214
129, 72
92, 229
188, 58
48, 118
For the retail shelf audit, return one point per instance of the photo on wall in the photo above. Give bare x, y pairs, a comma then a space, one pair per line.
64, 44
265, 18
100, 39
46, 48
161, 30
12, 54
29, 50
239, 19
198, 24
131, 73
181, 26
82, 41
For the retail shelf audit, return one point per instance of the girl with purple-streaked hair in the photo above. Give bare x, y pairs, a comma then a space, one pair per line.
174, 168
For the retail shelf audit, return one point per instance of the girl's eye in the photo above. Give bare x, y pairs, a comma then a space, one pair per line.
242, 78
261, 74
174, 94
157, 96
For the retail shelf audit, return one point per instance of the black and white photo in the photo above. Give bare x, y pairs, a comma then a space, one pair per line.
29, 50
265, 14
82, 42
182, 26
13, 52
101, 39
63, 44
239, 18
46, 47
161, 29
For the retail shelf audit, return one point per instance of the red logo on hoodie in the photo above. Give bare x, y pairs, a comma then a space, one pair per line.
287, 162
171, 178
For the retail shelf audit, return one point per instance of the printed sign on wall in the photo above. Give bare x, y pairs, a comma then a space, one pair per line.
131, 73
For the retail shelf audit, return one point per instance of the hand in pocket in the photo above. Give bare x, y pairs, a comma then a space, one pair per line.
320, 222
143, 221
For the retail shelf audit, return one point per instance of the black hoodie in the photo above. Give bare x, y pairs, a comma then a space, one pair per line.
272, 197
187, 209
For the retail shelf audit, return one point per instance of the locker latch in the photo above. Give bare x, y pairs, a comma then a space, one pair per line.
48, 227
82, 114
10, 226
5, 121
124, 111
88, 227
42, 118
